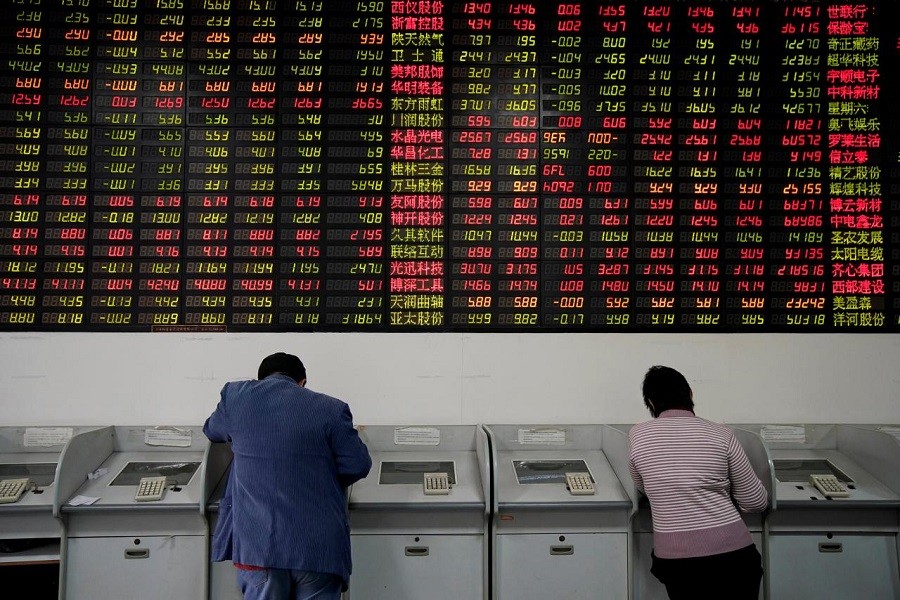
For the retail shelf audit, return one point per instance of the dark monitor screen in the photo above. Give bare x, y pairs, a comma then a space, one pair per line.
396, 472
800, 470
40, 473
178, 473
547, 471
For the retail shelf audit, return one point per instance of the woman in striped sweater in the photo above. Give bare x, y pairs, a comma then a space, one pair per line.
697, 478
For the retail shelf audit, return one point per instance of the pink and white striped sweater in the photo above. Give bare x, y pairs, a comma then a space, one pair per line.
690, 469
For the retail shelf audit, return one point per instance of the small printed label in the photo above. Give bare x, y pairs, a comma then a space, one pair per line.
417, 436
795, 434
543, 436
47, 436
167, 436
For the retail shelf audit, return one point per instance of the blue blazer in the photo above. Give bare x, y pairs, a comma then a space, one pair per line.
295, 453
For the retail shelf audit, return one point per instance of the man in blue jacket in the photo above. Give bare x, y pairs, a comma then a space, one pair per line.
283, 517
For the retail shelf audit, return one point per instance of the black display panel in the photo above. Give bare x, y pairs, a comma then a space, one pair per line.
547, 471
297, 165
42, 474
395, 472
177, 473
799, 470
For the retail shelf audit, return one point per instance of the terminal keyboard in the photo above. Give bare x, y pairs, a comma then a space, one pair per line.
829, 485
12, 489
580, 484
435, 484
150, 489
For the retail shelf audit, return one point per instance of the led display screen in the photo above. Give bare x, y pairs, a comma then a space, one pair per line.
394, 165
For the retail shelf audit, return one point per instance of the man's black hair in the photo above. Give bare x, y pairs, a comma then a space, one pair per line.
281, 362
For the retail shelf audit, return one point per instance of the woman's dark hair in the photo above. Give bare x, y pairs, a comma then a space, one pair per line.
666, 388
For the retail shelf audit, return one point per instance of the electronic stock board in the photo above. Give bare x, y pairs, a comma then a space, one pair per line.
378, 165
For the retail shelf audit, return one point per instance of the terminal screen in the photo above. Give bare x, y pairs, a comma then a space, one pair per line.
497, 165
547, 471
400, 472
177, 473
42, 474
800, 470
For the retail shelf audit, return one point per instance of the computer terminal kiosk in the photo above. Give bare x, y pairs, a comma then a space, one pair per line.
30, 531
645, 585
890, 429
833, 530
419, 521
561, 512
222, 575
136, 526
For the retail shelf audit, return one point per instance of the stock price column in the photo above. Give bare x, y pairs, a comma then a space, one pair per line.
302, 158
163, 120
798, 247
357, 198
564, 222
64, 301
22, 150
472, 291
743, 163
115, 169
255, 164
697, 195
608, 201
653, 137
209, 209
517, 129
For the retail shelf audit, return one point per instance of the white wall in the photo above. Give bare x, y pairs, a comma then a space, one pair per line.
451, 378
